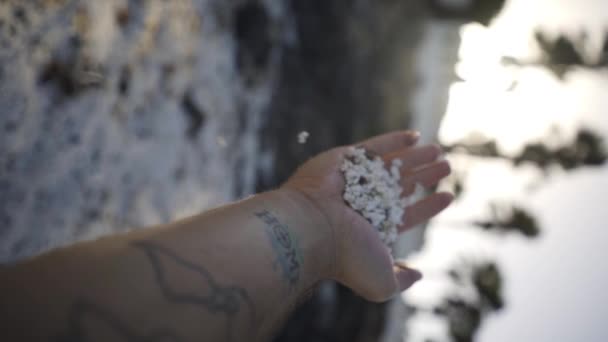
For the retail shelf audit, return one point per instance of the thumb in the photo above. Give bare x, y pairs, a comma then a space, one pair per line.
405, 276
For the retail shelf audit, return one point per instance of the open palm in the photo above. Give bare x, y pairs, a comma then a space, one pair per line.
362, 262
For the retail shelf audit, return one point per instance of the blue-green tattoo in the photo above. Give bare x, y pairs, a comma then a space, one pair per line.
285, 244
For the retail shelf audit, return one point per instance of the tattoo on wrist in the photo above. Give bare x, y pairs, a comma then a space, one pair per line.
285, 245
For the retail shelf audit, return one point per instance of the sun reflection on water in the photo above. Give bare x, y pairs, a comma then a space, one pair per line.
513, 106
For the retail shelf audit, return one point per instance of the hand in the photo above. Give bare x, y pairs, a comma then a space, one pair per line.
362, 262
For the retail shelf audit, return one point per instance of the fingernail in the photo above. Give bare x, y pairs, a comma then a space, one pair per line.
407, 277
449, 198
416, 275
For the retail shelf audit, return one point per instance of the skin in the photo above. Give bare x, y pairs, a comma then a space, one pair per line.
230, 274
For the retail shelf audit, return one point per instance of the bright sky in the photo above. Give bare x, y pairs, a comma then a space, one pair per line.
555, 286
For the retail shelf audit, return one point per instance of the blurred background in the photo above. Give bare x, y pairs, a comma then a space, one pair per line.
120, 114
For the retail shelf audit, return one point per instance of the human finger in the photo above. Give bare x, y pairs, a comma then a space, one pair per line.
425, 209
406, 277
415, 156
426, 175
392, 141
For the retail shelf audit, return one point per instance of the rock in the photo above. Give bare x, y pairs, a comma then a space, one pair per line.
121, 114
111, 112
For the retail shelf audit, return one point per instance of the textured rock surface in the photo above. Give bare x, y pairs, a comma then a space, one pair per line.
119, 114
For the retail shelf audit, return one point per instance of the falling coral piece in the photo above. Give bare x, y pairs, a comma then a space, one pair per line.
302, 137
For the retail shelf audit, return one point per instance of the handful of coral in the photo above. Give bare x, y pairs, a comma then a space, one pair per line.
374, 192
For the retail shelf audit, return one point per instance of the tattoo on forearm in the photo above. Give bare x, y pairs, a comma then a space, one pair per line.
85, 314
229, 301
285, 245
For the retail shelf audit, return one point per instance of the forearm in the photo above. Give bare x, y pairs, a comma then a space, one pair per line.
229, 274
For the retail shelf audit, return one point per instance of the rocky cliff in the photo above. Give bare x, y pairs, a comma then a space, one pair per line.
120, 114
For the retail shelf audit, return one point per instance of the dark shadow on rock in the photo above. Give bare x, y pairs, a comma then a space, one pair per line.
345, 79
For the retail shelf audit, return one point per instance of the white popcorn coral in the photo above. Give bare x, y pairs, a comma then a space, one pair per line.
302, 137
374, 192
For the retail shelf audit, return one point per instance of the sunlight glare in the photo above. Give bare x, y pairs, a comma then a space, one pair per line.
510, 106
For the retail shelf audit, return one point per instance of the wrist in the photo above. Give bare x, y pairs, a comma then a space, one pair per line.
313, 229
